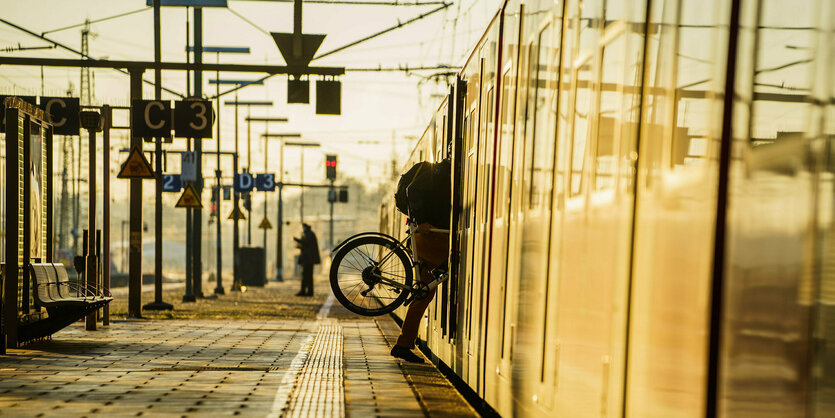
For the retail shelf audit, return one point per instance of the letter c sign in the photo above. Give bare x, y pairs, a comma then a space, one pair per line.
62, 112
151, 118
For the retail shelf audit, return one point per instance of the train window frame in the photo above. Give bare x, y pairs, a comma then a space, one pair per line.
614, 32
549, 104
574, 170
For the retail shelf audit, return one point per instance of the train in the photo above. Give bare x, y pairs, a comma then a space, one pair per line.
642, 210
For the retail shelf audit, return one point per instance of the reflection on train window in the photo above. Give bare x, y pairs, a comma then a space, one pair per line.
505, 140
610, 114
580, 128
543, 141
688, 129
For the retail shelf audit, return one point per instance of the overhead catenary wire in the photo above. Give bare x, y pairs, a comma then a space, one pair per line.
399, 25
97, 20
60, 45
384, 31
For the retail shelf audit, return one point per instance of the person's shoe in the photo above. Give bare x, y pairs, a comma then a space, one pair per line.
406, 354
300, 294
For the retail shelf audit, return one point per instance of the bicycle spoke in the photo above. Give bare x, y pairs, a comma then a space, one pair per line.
381, 292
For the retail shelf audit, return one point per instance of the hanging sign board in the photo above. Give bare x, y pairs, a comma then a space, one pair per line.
136, 166
189, 198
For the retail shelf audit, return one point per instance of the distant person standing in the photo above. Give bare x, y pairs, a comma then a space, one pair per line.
309, 246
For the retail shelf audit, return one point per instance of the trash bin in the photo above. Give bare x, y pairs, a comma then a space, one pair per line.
253, 266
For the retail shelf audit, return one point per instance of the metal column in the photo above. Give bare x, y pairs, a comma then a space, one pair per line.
135, 251
157, 304
197, 215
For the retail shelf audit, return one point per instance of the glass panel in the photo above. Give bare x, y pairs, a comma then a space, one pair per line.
580, 127
542, 148
610, 113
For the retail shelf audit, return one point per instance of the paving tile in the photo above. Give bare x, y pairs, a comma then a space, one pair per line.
335, 366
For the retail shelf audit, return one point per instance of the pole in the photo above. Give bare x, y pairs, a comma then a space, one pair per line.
125, 248
158, 304
197, 227
92, 262
189, 295
279, 250
331, 192
266, 155
107, 114
236, 284
219, 288
135, 251
249, 170
301, 198
279, 254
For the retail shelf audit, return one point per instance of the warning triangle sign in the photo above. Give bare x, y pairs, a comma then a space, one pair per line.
136, 166
236, 214
265, 224
189, 198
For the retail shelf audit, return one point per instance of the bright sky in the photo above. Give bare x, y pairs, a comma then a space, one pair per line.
376, 106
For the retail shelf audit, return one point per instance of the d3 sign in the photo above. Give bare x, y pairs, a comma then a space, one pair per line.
244, 182
151, 118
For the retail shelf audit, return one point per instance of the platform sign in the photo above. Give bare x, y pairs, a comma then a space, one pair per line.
151, 118
189, 198
28, 99
136, 166
265, 182
172, 183
188, 167
244, 182
265, 224
62, 112
193, 118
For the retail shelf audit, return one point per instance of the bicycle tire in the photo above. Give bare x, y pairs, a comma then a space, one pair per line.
346, 275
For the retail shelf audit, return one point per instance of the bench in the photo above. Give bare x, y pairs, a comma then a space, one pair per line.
65, 302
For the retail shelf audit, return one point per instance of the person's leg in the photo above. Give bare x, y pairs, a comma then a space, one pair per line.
303, 289
411, 323
308, 279
432, 249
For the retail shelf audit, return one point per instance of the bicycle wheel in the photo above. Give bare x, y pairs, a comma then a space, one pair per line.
365, 273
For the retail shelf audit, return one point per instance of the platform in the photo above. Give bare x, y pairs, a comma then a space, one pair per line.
333, 364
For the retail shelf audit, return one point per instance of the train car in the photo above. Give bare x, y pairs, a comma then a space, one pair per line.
642, 210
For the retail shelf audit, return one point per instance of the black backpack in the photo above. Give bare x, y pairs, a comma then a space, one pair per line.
424, 192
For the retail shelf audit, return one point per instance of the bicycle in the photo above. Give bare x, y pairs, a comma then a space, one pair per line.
371, 273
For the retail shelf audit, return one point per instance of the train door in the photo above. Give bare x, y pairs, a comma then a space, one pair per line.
675, 207
538, 163
497, 389
465, 223
482, 236
471, 211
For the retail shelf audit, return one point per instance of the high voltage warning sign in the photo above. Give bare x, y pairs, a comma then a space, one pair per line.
236, 214
265, 224
136, 166
189, 198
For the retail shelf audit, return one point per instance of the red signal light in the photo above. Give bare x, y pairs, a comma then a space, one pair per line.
213, 207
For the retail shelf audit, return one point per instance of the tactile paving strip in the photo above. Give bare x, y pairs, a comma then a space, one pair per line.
318, 390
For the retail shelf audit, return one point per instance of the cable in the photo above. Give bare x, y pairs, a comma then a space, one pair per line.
384, 31
97, 20
60, 45
251, 23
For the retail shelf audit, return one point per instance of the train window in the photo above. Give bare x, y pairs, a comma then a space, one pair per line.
542, 146
610, 113
506, 125
580, 126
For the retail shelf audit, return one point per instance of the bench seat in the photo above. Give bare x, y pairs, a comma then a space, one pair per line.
65, 301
